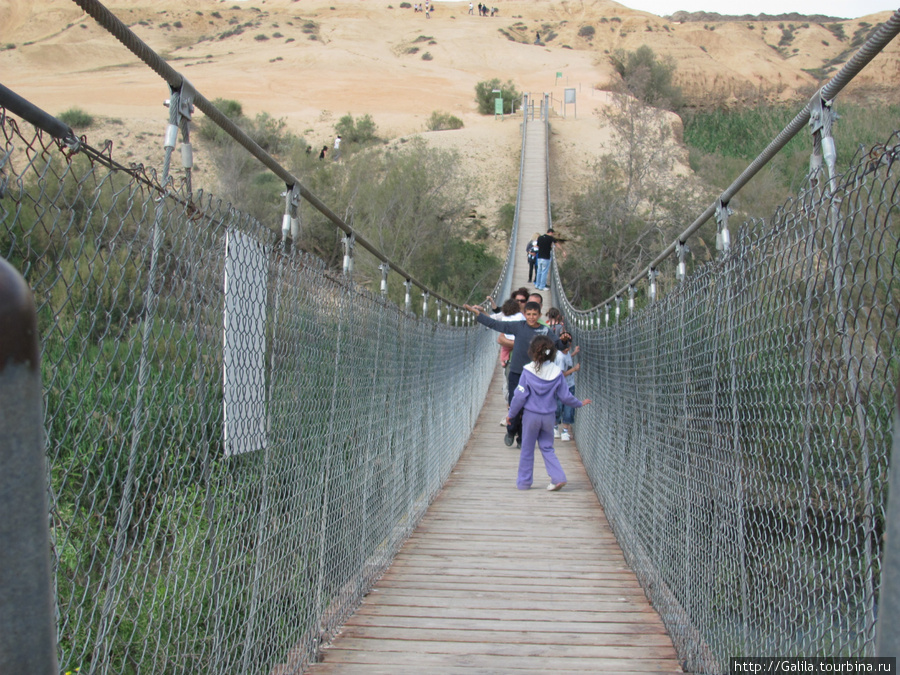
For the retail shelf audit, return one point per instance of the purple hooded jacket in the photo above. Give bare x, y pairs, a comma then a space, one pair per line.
537, 391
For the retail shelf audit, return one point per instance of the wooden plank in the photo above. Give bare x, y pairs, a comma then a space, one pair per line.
513, 625
406, 669
495, 663
499, 580
548, 615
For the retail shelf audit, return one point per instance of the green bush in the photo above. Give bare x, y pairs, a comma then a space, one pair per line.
586, 32
441, 120
76, 118
359, 131
647, 77
485, 95
266, 131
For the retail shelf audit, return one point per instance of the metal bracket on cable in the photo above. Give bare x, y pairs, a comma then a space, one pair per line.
349, 242
631, 292
186, 111
723, 237
408, 301
425, 303
385, 269
290, 225
821, 119
651, 275
606, 307
438, 311
618, 307
681, 250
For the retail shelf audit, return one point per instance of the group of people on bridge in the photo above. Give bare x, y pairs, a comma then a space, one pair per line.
538, 357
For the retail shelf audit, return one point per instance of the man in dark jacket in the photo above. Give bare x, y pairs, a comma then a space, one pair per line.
545, 251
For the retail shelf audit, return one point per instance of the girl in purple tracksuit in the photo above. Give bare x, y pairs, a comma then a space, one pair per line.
542, 382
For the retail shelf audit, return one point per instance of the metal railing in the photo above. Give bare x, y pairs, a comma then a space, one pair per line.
741, 432
238, 438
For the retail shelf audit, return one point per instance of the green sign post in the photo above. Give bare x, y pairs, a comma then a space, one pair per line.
498, 108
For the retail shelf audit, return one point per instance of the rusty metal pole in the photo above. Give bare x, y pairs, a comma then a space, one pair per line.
27, 623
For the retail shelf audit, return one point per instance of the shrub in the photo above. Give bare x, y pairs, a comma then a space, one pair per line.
76, 118
485, 95
441, 120
647, 77
586, 32
261, 37
836, 29
356, 131
427, 56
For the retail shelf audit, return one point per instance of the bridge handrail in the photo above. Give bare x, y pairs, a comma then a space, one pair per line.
188, 95
823, 97
503, 287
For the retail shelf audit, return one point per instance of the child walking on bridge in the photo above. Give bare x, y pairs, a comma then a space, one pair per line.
542, 382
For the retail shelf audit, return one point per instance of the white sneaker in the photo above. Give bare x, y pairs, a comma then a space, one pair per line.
553, 487
555, 432
565, 435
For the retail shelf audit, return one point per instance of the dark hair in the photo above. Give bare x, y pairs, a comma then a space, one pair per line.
554, 313
510, 307
532, 305
541, 350
520, 291
537, 295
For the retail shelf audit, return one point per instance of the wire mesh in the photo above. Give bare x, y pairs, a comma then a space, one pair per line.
239, 439
740, 436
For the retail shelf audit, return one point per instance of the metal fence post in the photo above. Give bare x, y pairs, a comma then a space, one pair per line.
27, 623
887, 642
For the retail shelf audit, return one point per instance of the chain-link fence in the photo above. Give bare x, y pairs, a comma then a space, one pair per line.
740, 436
239, 439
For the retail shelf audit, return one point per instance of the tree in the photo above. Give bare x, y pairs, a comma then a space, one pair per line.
635, 205
411, 203
648, 78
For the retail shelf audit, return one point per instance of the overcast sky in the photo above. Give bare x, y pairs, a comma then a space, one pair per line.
842, 8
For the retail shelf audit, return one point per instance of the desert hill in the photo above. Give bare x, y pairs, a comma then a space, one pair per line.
312, 62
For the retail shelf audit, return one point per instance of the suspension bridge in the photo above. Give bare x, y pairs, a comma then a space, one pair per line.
231, 492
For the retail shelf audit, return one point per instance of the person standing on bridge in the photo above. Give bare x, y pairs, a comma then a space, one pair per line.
545, 251
531, 255
541, 384
524, 332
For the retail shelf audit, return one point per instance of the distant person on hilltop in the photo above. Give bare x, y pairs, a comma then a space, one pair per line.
324, 152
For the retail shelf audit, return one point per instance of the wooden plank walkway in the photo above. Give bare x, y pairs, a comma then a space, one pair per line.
498, 580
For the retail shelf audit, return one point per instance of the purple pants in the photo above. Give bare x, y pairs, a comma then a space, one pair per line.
538, 428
